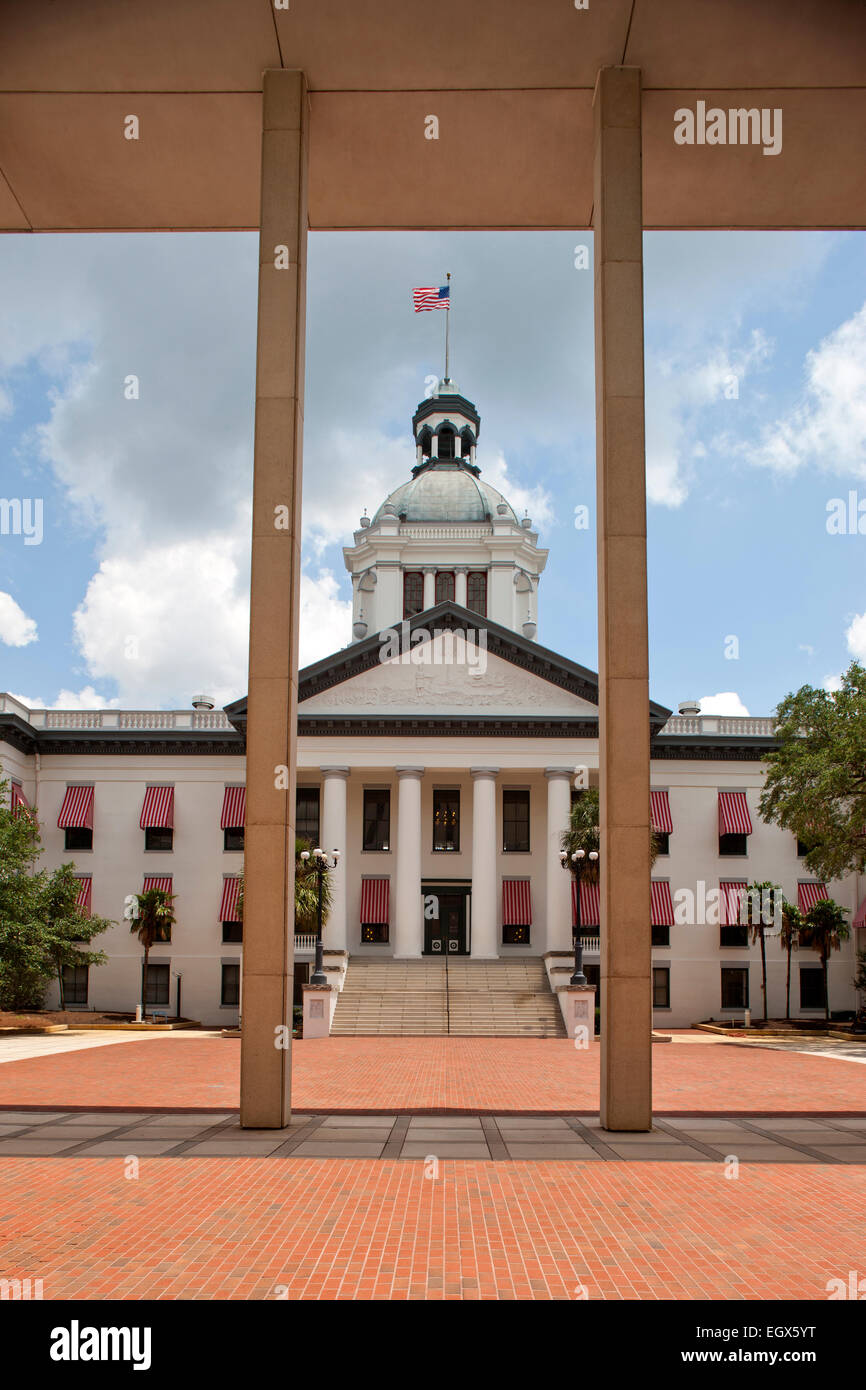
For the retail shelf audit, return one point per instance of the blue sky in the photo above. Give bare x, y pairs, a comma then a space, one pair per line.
137, 594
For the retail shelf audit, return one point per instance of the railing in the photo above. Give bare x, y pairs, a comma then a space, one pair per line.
129, 719
744, 726
446, 533
305, 941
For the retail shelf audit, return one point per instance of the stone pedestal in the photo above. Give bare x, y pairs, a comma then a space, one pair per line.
579, 1014
319, 1004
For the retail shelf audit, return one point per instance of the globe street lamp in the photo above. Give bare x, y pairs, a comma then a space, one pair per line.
322, 863
576, 865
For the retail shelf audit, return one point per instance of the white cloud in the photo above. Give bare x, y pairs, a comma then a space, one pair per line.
855, 636
827, 427
326, 619
16, 629
726, 702
87, 698
832, 683
534, 500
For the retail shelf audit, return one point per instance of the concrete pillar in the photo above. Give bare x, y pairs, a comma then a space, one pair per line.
623, 666
408, 914
429, 586
484, 913
274, 602
460, 583
333, 836
558, 925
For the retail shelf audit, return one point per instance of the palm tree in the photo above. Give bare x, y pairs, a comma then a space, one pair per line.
153, 921
789, 940
583, 831
760, 903
306, 891
824, 929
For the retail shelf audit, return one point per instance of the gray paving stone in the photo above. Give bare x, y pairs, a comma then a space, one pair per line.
354, 1135
31, 1117
552, 1148
453, 1149
73, 1132
543, 1136
764, 1153
34, 1147
314, 1148
135, 1148
848, 1153
445, 1122
670, 1152
359, 1121
546, 1122
216, 1148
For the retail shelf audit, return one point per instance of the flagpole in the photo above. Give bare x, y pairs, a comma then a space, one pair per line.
447, 322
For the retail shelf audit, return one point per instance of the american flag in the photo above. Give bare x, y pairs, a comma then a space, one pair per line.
431, 297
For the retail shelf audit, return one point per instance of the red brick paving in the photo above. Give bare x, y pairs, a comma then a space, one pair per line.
357, 1229
494, 1075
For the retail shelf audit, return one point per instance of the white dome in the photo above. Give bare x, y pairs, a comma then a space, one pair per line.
447, 491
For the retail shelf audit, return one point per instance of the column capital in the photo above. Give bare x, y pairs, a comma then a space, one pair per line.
410, 771
553, 772
429, 569
461, 569
335, 771
484, 772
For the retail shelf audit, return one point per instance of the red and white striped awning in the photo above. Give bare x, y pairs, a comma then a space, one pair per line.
375, 901
82, 902
17, 800
162, 885
808, 894
588, 904
860, 917
731, 897
158, 809
76, 813
734, 818
660, 813
229, 903
516, 902
234, 808
661, 903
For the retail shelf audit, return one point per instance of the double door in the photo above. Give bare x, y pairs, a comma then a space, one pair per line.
444, 932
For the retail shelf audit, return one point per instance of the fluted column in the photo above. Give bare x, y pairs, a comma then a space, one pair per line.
484, 913
460, 585
408, 915
429, 586
333, 836
558, 925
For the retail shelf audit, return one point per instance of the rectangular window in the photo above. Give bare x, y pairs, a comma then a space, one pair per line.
663, 842
413, 593
377, 819
661, 987
803, 847
444, 586
446, 820
735, 987
515, 936
734, 936
374, 933
733, 846
661, 936
476, 592
233, 931
78, 837
230, 991
307, 814
74, 984
515, 822
811, 987
157, 984
158, 837
233, 837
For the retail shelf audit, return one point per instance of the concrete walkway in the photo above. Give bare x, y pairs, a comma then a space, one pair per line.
16, 1047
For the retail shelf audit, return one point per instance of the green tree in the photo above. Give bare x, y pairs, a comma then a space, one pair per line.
762, 904
306, 890
583, 831
816, 782
153, 917
823, 931
789, 940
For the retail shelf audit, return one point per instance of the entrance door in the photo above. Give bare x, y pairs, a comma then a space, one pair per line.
446, 934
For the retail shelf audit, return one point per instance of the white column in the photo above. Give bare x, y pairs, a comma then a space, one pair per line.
484, 906
429, 586
460, 586
558, 925
408, 924
333, 836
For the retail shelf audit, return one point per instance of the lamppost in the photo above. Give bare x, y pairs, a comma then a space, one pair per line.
322, 863
575, 866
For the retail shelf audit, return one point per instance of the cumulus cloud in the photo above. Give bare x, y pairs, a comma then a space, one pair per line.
726, 702
537, 501
326, 619
855, 636
87, 698
16, 629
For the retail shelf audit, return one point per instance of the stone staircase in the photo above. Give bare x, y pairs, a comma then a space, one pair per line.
457, 996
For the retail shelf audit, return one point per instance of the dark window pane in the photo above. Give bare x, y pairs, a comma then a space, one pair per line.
375, 932
734, 936
444, 587
446, 444
233, 931
663, 842
413, 593
446, 820
811, 988
661, 936
515, 822
476, 592
74, 984
78, 837
157, 837
307, 815
735, 988
231, 984
233, 837
661, 987
515, 936
732, 845
157, 984
377, 820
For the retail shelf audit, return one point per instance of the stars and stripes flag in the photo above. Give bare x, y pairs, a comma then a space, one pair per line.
431, 297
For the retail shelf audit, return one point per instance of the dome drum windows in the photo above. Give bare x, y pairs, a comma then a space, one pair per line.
413, 593
476, 592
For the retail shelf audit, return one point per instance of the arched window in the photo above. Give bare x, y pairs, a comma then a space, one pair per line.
425, 439
446, 442
476, 592
445, 586
413, 593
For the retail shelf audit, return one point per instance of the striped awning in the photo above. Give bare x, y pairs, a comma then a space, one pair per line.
76, 813
860, 917
158, 809
82, 902
808, 894
162, 885
375, 901
731, 898
516, 902
234, 808
229, 903
734, 818
588, 904
661, 903
660, 813
18, 801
